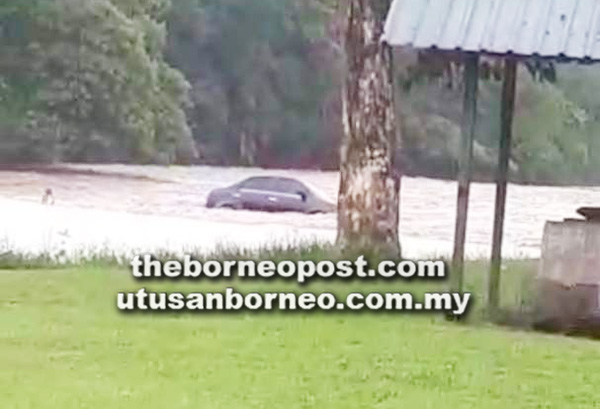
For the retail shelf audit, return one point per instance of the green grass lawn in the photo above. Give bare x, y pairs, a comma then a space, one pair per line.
64, 345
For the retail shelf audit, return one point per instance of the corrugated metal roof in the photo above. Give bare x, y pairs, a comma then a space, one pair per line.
548, 28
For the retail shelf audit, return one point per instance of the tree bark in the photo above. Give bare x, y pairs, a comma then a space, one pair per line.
368, 204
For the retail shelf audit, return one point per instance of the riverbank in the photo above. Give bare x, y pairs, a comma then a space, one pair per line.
65, 345
517, 290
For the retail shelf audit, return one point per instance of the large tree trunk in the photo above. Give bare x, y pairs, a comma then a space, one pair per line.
368, 207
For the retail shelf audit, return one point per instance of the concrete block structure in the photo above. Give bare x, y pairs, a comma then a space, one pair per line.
568, 279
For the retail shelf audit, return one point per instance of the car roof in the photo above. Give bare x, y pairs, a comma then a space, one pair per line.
270, 178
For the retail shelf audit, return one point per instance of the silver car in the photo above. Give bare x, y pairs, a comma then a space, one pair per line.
270, 194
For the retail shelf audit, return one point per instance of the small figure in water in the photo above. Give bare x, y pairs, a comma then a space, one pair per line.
48, 197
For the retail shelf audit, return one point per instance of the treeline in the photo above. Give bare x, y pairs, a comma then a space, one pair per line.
556, 129
250, 82
87, 80
154, 81
264, 80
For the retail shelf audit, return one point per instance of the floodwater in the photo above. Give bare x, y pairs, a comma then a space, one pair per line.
123, 208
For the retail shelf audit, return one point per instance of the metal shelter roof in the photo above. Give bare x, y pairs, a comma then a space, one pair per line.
546, 28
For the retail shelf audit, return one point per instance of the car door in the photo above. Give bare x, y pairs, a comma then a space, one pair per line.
260, 194
292, 195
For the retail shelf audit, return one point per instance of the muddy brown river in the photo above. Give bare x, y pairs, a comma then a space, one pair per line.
123, 208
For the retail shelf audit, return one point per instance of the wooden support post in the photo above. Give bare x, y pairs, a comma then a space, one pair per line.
471, 78
507, 114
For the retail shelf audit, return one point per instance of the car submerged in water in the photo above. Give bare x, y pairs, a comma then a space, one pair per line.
271, 194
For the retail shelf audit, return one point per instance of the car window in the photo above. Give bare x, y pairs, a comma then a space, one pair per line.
258, 183
289, 186
281, 185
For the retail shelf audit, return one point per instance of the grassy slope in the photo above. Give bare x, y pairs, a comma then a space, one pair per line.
64, 345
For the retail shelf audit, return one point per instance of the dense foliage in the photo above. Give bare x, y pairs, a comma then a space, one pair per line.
554, 130
261, 79
250, 82
86, 81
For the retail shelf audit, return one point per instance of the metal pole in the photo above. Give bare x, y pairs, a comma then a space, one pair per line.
507, 114
471, 78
